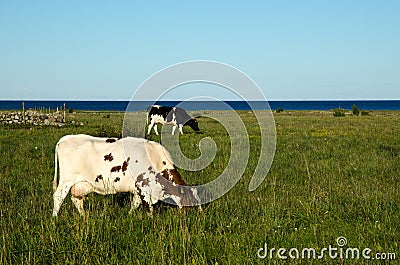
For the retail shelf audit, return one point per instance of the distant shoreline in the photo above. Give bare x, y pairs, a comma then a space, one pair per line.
119, 105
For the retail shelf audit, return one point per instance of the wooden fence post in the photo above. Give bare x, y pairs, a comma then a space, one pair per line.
64, 112
23, 111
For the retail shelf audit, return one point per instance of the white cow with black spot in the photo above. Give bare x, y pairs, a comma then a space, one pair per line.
109, 165
170, 115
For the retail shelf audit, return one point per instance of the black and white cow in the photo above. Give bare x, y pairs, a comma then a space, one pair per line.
109, 165
170, 115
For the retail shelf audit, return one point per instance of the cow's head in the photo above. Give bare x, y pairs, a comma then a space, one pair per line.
175, 187
193, 124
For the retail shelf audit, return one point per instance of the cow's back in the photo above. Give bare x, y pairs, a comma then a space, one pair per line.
182, 116
159, 110
94, 155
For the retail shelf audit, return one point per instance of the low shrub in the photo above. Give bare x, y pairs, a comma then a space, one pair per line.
356, 110
339, 112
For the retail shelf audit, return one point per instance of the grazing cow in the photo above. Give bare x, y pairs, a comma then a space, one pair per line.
109, 165
170, 115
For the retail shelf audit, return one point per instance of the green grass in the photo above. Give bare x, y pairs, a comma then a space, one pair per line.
330, 177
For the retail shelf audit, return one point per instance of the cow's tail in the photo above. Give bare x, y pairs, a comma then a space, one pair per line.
147, 114
56, 168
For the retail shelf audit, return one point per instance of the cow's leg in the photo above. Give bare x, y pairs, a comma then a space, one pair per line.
59, 196
180, 128
78, 202
150, 126
136, 201
155, 128
173, 129
78, 192
147, 203
151, 210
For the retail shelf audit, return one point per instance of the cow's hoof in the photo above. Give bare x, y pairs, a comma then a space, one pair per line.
150, 213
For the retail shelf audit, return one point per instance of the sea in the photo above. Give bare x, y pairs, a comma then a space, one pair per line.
119, 105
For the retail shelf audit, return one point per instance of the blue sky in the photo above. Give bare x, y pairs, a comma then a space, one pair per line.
291, 49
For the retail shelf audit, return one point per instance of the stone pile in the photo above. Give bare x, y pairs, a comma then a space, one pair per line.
32, 117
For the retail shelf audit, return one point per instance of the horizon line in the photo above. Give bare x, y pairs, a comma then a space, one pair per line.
350, 99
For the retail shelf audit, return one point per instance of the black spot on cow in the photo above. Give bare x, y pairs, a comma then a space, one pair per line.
151, 171
99, 177
140, 177
125, 165
116, 169
174, 176
144, 203
164, 163
108, 157
136, 161
144, 181
117, 179
168, 185
110, 140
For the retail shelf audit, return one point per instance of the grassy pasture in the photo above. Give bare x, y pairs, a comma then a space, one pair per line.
330, 177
